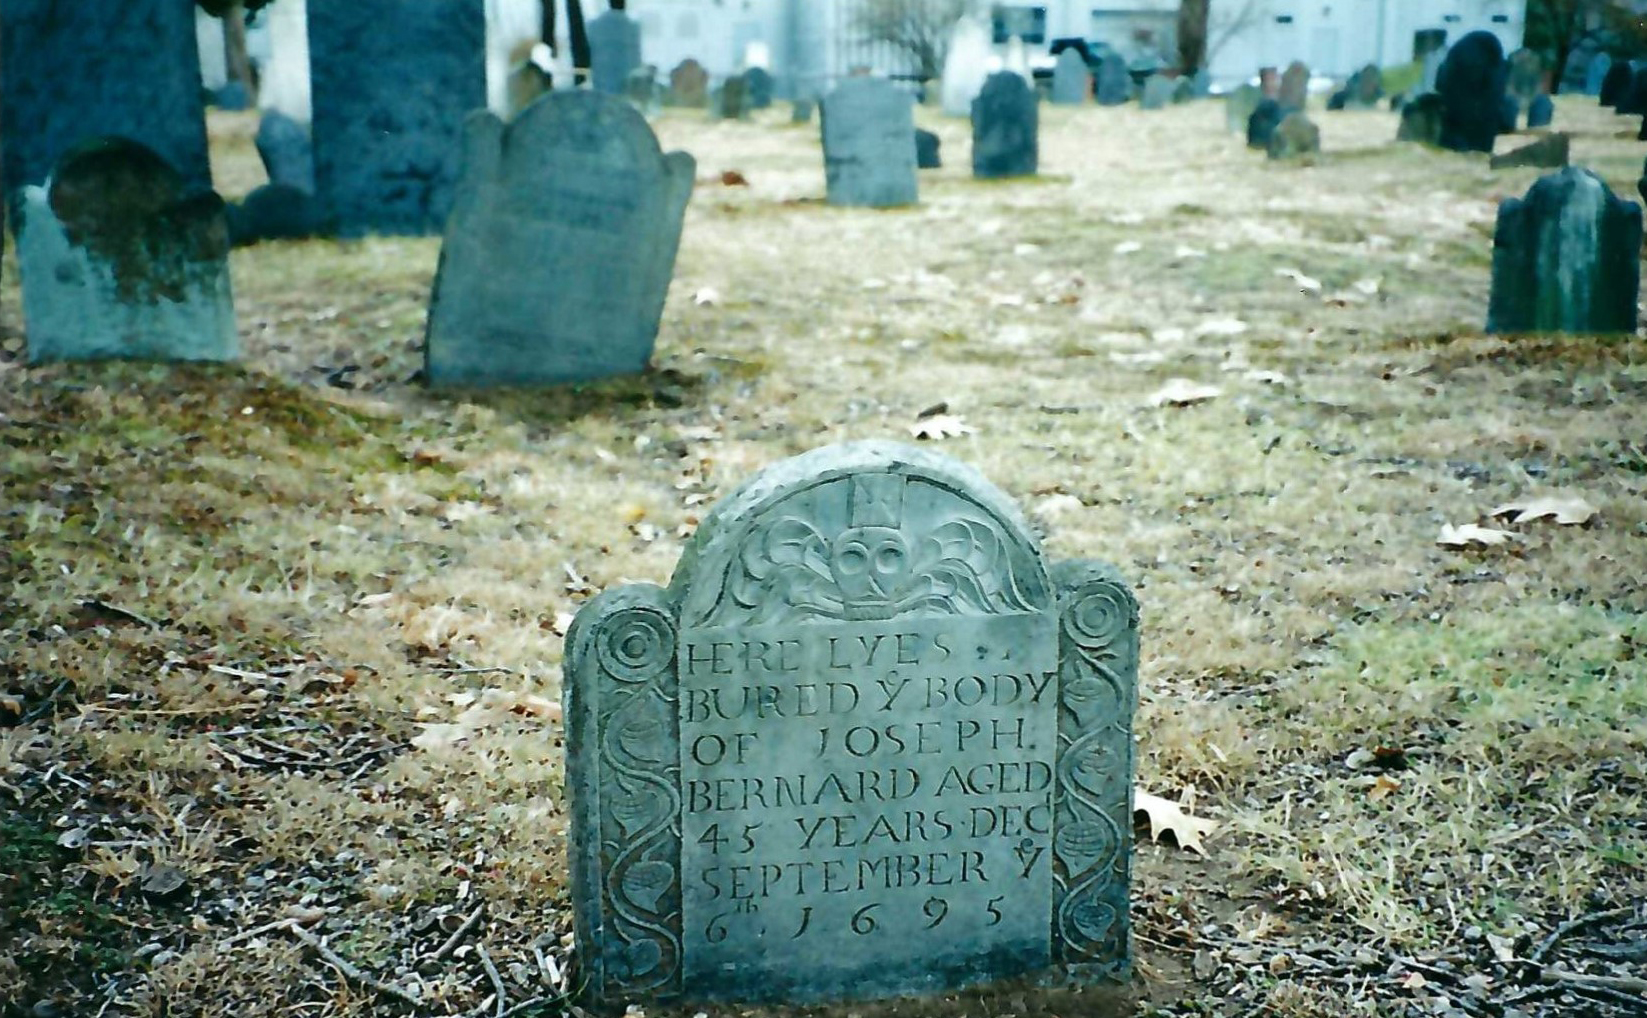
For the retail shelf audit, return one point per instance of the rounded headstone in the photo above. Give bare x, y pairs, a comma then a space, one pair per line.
1471, 86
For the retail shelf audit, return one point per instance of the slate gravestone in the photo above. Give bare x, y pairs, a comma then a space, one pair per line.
1238, 107
928, 150
1524, 75
560, 247
288, 156
758, 85
1071, 79
233, 96
1599, 67
966, 65
1471, 86
1616, 83
1366, 88
1540, 112
801, 111
121, 258
1295, 86
391, 84
1266, 117
275, 212
641, 87
1114, 84
1183, 90
1421, 120
614, 51
731, 99
71, 72
1006, 125
689, 84
1296, 136
1269, 82
1509, 114
1633, 100
1157, 92
1566, 258
868, 124
864, 744
1549, 152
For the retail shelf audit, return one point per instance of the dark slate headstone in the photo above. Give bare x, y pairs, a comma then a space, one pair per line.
1471, 86
391, 85
1071, 79
1114, 84
1296, 136
1266, 117
74, 71
802, 110
1295, 86
868, 124
1509, 114
866, 743
560, 247
1566, 258
928, 150
1596, 73
1006, 123
758, 85
1548, 152
119, 257
614, 51
1633, 100
1238, 107
1157, 92
275, 212
1365, 88
731, 99
287, 154
689, 84
1524, 75
1540, 112
1339, 99
1616, 83
1421, 120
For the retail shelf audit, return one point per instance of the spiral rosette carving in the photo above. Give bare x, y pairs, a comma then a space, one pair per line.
636, 645
1101, 612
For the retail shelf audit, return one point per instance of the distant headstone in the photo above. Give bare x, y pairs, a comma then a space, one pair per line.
1183, 90
1071, 79
1548, 152
1566, 258
74, 71
1509, 114
1114, 84
614, 51
758, 85
641, 88
1366, 88
392, 83
560, 248
1430, 69
1295, 86
121, 258
1266, 117
1540, 112
288, 156
1471, 86
802, 110
1421, 120
275, 212
1157, 93
1525, 75
1295, 137
731, 99
1238, 107
868, 124
1596, 72
1005, 128
866, 743
1633, 100
928, 150
1615, 83
966, 65
1269, 82
689, 84
234, 96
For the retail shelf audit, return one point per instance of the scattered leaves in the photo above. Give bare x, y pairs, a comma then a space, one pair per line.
490, 708
1164, 815
1470, 535
1567, 510
940, 426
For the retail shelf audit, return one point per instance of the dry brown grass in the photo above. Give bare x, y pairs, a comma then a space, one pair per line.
326, 567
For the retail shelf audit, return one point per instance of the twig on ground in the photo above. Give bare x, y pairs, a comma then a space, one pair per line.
257, 932
1580, 923
119, 612
497, 980
349, 971
458, 934
1627, 984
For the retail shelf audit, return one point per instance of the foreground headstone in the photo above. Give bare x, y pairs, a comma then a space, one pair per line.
1238, 107
865, 743
391, 85
560, 248
689, 84
614, 51
1471, 86
1566, 258
928, 150
966, 65
1114, 83
1266, 117
74, 71
288, 155
1421, 120
1295, 86
121, 258
1071, 79
1005, 128
1295, 137
1549, 152
868, 124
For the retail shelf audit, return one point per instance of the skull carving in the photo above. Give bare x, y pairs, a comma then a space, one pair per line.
871, 566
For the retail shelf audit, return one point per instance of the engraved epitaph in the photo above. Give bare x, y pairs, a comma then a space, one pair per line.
865, 744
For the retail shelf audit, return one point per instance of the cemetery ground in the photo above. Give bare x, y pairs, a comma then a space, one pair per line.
279, 693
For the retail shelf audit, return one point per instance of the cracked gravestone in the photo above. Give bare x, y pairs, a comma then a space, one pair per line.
120, 258
560, 248
868, 144
866, 743
1005, 128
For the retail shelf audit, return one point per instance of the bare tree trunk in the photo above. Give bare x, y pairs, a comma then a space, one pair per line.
236, 61
1192, 35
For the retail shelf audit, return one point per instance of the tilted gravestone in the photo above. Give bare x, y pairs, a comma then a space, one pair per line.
1071, 79
758, 85
1295, 86
391, 83
1157, 92
1266, 117
1616, 83
689, 84
869, 156
1006, 123
1294, 137
288, 156
560, 248
1566, 258
928, 150
1540, 112
1114, 84
1471, 86
865, 743
1238, 107
1549, 152
614, 51
1421, 120
72, 72
121, 258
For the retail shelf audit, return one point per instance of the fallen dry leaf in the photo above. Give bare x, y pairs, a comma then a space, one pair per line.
1470, 535
940, 426
1383, 787
1567, 510
1306, 284
706, 295
1165, 815
492, 707
1183, 392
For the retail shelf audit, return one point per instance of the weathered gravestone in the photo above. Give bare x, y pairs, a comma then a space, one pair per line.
868, 124
1295, 86
1005, 128
1362, 92
71, 72
560, 247
1509, 114
1421, 120
288, 155
1596, 72
1633, 100
1524, 75
1114, 84
1071, 79
865, 743
758, 85
614, 51
1471, 86
801, 111
275, 212
121, 258
966, 65
1566, 258
1157, 92
1269, 82
641, 87
1616, 83
391, 84
1540, 112
928, 150
1266, 117
1238, 107
1549, 152
731, 99
689, 84
1294, 137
